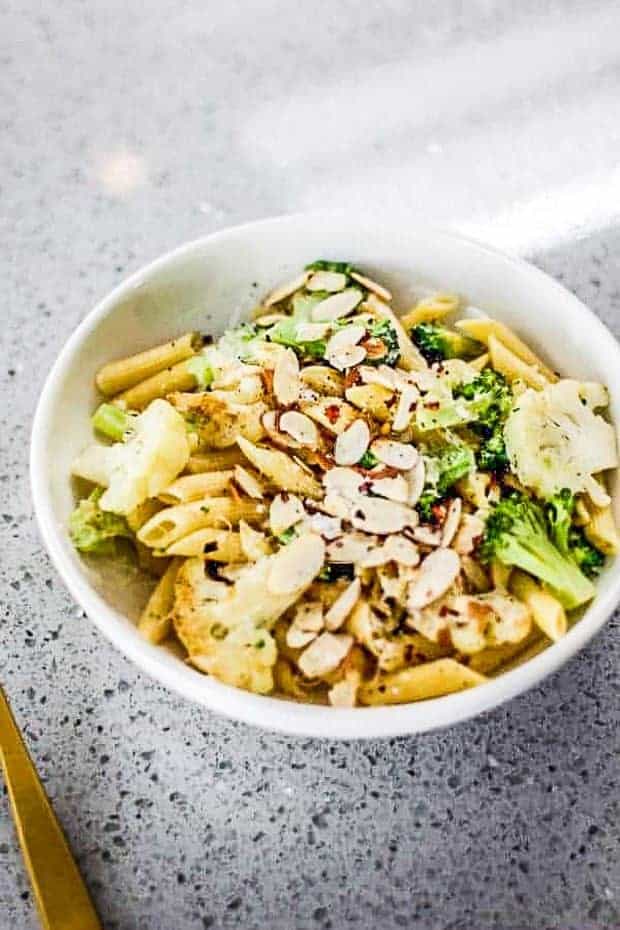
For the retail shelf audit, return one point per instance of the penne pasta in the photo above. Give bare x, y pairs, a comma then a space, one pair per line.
215, 460
601, 529
175, 378
281, 469
173, 523
143, 512
547, 612
481, 362
492, 659
323, 379
208, 543
483, 328
433, 679
411, 358
154, 623
194, 487
430, 309
126, 372
512, 367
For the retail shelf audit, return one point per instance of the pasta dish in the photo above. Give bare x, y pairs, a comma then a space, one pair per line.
349, 506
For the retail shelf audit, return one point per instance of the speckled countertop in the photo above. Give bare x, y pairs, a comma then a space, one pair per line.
127, 129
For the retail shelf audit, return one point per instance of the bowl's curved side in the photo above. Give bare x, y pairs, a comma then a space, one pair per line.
199, 283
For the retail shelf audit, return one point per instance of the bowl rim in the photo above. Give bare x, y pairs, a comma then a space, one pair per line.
267, 712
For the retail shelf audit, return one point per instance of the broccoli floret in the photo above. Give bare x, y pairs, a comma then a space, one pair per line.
587, 557
285, 331
112, 422
490, 400
287, 536
322, 264
516, 534
368, 460
95, 530
569, 539
443, 470
437, 343
383, 347
199, 367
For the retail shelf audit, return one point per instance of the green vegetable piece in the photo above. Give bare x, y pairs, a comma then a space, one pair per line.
443, 469
287, 536
199, 367
112, 422
95, 530
569, 539
368, 460
589, 559
437, 343
384, 331
516, 534
284, 332
322, 264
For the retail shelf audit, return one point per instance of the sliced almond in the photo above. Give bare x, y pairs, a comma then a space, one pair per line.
269, 319
307, 624
344, 693
342, 606
284, 512
395, 454
311, 332
348, 358
470, 531
416, 477
451, 523
352, 443
286, 289
406, 402
373, 515
248, 483
300, 427
286, 378
297, 639
427, 536
436, 575
352, 548
336, 505
381, 374
325, 526
296, 566
331, 281
325, 654
345, 482
253, 543
394, 489
270, 421
402, 550
336, 307
371, 285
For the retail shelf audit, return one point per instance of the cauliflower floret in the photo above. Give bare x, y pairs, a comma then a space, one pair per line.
227, 635
554, 439
132, 471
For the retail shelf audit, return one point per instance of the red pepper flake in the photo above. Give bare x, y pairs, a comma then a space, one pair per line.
267, 379
439, 512
352, 377
332, 412
375, 347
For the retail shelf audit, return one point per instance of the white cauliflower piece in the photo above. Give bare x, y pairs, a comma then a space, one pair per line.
132, 471
555, 440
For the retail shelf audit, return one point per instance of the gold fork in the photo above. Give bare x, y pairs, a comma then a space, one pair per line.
61, 895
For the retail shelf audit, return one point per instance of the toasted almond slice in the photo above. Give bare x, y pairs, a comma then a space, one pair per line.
300, 427
436, 575
348, 358
427, 536
336, 307
310, 332
395, 489
352, 548
327, 527
248, 483
286, 378
371, 285
286, 289
415, 479
269, 319
402, 550
395, 454
343, 481
382, 374
342, 606
253, 543
309, 616
331, 281
470, 531
451, 523
344, 693
270, 421
374, 515
336, 505
345, 338
325, 654
296, 565
406, 401
297, 639
285, 511
352, 443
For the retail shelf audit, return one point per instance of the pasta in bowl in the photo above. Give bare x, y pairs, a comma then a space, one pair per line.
349, 505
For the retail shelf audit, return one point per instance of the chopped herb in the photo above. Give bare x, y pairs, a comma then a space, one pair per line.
368, 460
322, 264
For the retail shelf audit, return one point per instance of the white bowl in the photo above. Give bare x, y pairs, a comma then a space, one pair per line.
211, 283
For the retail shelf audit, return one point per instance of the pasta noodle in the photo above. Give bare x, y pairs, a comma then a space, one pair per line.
430, 309
172, 523
175, 378
548, 613
483, 329
154, 623
194, 487
433, 679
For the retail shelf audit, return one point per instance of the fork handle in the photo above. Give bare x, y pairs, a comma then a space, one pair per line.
61, 895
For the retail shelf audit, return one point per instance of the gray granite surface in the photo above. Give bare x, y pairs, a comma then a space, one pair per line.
128, 128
